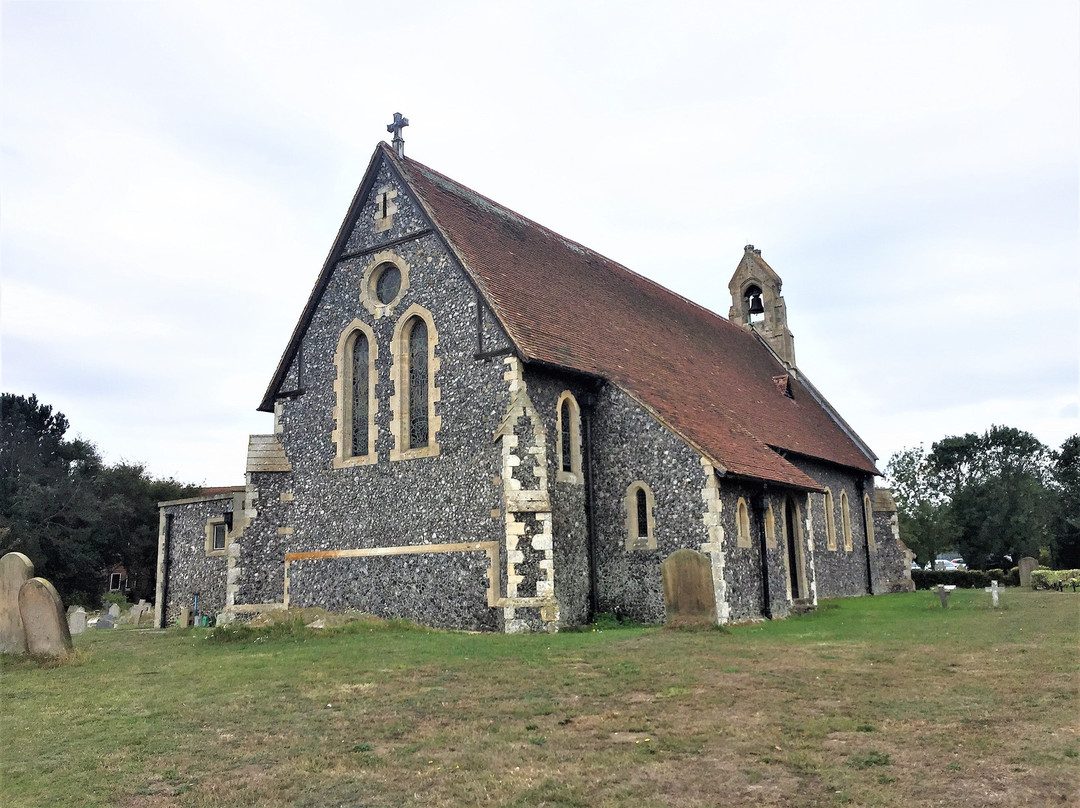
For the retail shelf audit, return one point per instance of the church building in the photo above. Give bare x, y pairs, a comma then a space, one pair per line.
482, 425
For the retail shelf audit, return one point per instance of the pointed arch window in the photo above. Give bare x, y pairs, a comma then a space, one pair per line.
642, 514
830, 521
845, 520
418, 434
354, 388
770, 527
568, 439
640, 523
361, 399
742, 519
414, 424
868, 517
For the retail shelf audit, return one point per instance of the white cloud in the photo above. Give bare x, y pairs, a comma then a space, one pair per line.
173, 175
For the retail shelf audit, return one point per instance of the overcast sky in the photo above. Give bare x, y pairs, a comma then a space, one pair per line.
174, 174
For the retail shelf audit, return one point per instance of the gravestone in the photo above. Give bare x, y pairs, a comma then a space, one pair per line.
993, 590
139, 611
105, 621
77, 621
943, 592
184, 620
15, 570
114, 610
44, 619
1027, 566
689, 596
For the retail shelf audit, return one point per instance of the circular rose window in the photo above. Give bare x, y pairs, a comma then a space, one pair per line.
387, 284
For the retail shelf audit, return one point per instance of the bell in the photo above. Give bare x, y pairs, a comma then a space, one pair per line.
755, 305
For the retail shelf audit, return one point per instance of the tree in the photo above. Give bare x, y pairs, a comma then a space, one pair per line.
987, 496
48, 504
127, 519
998, 489
1066, 517
72, 515
926, 523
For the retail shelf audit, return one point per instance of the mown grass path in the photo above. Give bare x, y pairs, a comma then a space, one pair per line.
885, 701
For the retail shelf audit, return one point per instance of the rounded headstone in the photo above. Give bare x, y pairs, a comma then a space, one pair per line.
689, 596
44, 619
15, 570
1027, 566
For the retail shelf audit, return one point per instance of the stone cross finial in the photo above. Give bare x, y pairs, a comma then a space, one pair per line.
400, 122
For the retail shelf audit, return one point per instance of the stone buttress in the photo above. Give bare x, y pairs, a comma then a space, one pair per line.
528, 549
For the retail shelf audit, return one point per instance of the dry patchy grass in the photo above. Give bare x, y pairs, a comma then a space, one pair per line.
885, 701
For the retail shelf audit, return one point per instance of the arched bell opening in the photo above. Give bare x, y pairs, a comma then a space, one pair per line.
753, 304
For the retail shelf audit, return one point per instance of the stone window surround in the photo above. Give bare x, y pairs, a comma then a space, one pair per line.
342, 434
399, 399
830, 520
800, 548
770, 527
575, 475
742, 523
868, 521
117, 578
372, 271
211, 523
634, 539
845, 520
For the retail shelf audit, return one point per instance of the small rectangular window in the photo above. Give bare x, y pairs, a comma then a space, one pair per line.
114, 582
219, 537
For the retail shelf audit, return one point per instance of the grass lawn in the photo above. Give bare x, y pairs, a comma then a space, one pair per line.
887, 701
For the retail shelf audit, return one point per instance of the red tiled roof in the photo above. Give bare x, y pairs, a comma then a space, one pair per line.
563, 304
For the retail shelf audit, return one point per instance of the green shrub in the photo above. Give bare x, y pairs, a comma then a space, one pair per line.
1010, 577
115, 597
963, 579
1047, 579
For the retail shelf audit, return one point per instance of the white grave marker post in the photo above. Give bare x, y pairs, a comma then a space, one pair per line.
993, 590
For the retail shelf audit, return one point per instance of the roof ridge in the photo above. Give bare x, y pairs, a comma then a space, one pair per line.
568, 241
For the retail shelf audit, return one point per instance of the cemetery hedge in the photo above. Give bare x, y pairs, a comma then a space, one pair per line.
1046, 579
965, 579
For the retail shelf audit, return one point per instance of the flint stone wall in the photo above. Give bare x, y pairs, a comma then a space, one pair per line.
191, 570
444, 590
570, 533
840, 572
894, 558
630, 445
433, 500
742, 565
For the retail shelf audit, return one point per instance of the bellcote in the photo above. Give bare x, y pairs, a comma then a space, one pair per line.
756, 303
